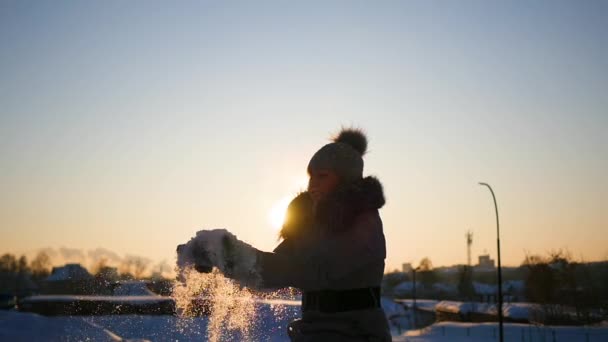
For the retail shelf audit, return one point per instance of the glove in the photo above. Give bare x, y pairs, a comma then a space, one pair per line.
221, 249
195, 256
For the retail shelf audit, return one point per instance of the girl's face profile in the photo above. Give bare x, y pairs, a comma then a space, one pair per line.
321, 183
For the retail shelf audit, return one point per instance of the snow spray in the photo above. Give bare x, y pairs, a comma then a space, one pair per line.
203, 289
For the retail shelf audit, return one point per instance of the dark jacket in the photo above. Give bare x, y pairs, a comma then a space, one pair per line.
338, 247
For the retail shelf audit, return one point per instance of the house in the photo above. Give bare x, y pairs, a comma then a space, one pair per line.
70, 279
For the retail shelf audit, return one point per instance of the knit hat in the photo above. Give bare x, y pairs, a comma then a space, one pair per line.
344, 155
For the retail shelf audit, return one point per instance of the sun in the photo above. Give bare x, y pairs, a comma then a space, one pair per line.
276, 216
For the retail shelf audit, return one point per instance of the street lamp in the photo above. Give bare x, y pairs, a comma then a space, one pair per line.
500, 329
414, 295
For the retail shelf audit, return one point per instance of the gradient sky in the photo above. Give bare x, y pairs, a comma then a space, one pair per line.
130, 125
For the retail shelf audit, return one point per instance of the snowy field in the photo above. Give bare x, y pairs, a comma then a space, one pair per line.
473, 332
271, 321
20, 326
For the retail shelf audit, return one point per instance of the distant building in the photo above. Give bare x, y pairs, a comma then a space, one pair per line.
69, 272
406, 268
485, 263
70, 279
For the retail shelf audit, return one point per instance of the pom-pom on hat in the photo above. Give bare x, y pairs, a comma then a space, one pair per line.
344, 155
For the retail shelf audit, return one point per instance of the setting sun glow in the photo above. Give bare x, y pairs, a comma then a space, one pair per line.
276, 216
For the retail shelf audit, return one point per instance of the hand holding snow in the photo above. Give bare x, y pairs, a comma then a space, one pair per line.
221, 249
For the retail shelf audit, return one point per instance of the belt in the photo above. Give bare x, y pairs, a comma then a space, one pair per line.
331, 301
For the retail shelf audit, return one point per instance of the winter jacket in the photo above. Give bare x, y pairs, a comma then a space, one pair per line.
339, 246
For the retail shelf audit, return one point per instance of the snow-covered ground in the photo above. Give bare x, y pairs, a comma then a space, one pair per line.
519, 312
421, 304
20, 326
270, 325
474, 332
272, 317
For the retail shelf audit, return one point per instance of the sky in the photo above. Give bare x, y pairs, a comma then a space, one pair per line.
129, 126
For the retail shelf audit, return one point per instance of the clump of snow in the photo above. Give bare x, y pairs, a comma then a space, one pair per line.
231, 308
206, 265
219, 248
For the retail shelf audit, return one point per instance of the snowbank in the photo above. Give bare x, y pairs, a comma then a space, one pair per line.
477, 332
518, 312
421, 304
270, 325
461, 307
19, 326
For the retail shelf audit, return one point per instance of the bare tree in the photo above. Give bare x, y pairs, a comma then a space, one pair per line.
426, 273
125, 268
99, 266
163, 266
8, 263
140, 266
22, 267
465, 282
425, 265
41, 265
134, 265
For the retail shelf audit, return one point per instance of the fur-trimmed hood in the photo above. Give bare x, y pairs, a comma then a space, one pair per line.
337, 211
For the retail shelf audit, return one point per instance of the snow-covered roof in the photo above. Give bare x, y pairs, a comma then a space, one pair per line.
445, 287
516, 311
514, 285
454, 307
406, 286
485, 289
421, 304
133, 288
69, 272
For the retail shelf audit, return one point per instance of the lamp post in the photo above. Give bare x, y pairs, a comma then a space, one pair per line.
414, 295
500, 319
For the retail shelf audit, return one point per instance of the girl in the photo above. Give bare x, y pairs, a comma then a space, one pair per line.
333, 248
